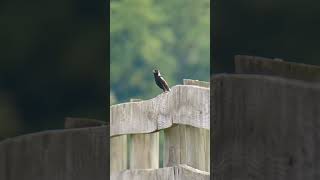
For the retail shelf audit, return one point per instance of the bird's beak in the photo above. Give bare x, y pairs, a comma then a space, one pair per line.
154, 71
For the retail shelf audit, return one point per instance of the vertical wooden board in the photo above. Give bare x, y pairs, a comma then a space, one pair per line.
197, 147
144, 151
86, 154
101, 140
187, 145
118, 153
34, 157
3, 156
172, 147
24, 159
266, 128
99, 143
78, 152
161, 148
15, 161
205, 141
54, 156
107, 146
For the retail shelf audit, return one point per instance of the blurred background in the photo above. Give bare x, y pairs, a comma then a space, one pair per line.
170, 35
287, 29
52, 63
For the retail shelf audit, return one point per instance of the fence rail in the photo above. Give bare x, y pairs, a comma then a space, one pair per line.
184, 116
183, 105
181, 172
276, 67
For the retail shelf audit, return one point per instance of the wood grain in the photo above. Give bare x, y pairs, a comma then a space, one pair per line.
118, 153
276, 67
181, 172
187, 145
182, 105
56, 155
144, 151
265, 128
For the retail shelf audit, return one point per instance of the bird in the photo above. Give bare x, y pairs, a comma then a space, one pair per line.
160, 81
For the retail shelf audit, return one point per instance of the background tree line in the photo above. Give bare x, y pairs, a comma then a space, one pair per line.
173, 36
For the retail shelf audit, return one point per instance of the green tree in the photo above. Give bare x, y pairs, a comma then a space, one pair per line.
172, 36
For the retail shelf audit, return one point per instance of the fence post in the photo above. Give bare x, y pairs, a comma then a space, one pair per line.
187, 145
144, 149
118, 153
187, 142
265, 128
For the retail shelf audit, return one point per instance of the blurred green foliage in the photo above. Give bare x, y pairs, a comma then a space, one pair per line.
173, 36
53, 64
275, 29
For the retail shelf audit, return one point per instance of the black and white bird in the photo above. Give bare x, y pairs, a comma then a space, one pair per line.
160, 81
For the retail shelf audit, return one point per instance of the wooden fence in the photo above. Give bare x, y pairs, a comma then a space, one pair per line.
266, 121
184, 116
72, 154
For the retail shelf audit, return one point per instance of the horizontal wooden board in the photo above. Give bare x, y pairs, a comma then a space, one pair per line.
181, 172
184, 104
276, 67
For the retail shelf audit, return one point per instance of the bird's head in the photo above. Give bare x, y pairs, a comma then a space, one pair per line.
156, 71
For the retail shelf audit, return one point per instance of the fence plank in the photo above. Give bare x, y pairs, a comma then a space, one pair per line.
118, 153
182, 105
181, 172
271, 132
93, 148
56, 155
260, 65
3, 157
144, 151
187, 145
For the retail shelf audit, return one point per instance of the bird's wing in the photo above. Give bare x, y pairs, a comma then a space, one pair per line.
164, 83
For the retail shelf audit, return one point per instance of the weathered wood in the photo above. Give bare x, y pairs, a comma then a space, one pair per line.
260, 65
187, 145
118, 153
135, 100
144, 151
182, 105
181, 172
75, 154
265, 128
3, 157
196, 83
